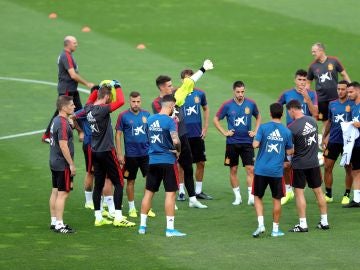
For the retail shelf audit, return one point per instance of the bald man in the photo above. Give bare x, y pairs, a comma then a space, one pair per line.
68, 78
325, 69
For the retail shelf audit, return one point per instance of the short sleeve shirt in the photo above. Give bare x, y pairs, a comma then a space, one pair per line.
238, 118
60, 130
65, 82
274, 140
192, 112
134, 128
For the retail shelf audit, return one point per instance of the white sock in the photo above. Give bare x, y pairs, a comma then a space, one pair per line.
356, 195
236, 191
324, 220
170, 222
88, 196
198, 187
261, 221
53, 220
192, 199
249, 191
303, 223
131, 205
143, 218
288, 188
98, 215
118, 214
109, 200
59, 224
275, 227
181, 188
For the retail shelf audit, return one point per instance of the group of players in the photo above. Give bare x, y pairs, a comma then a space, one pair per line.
175, 134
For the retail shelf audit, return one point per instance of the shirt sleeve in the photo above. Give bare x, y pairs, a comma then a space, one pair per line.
186, 88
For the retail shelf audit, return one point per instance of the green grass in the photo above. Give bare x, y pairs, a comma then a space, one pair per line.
260, 42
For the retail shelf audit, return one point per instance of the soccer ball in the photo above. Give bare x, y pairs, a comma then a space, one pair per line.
109, 83
321, 158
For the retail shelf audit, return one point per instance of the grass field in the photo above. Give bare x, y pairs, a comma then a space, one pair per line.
260, 42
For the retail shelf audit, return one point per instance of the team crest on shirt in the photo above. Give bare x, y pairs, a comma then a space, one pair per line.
347, 108
144, 119
196, 99
247, 110
126, 173
330, 67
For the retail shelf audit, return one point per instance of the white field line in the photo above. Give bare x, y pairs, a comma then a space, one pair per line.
36, 82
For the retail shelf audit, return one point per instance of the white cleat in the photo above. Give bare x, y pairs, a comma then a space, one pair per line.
237, 201
197, 204
251, 200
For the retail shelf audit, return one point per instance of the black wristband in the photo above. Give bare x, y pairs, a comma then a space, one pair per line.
202, 69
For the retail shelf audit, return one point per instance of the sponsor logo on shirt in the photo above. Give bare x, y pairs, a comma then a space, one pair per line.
272, 147
190, 110
240, 120
339, 118
155, 126
139, 130
308, 128
325, 76
275, 136
155, 138
311, 140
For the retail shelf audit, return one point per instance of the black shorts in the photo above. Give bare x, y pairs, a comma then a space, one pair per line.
355, 158
310, 176
185, 157
244, 150
323, 110
88, 158
333, 150
132, 164
197, 146
277, 186
168, 173
62, 180
107, 165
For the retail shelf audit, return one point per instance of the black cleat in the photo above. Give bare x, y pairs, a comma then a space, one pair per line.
298, 228
323, 227
65, 230
203, 196
351, 204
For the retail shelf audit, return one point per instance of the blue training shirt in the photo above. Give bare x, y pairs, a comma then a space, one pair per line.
81, 116
238, 118
338, 112
160, 126
274, 140
134, 128
292, 94
192, 112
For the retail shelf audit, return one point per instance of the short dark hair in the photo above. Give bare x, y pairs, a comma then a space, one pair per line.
301, 72
63, 101
276, 110
161, 80
103, 91
238, 84
344, 82
354, 84
186, 72
293, 104
168, 98
134, 94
